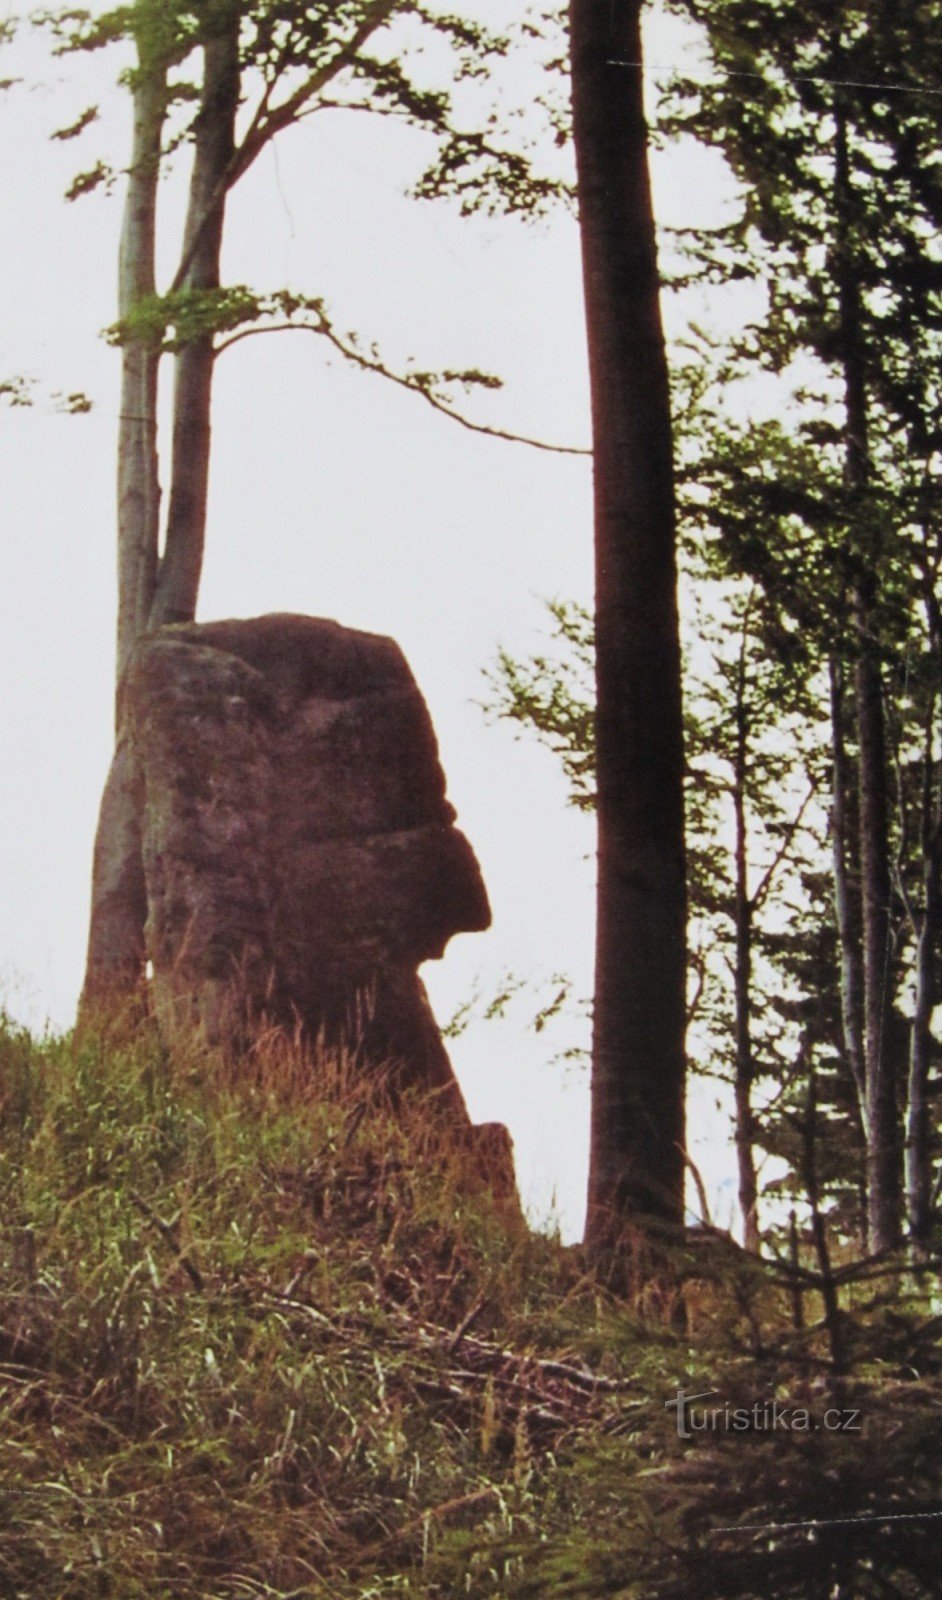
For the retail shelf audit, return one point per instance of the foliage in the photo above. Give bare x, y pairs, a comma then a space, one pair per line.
551, 695
819, 519
20, 392
296, 61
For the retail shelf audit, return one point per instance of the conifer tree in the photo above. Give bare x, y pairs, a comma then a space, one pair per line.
824, 115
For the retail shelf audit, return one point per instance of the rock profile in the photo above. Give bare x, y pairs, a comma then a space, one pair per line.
300, 858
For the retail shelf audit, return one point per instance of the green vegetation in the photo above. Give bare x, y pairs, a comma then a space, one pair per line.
260, 1337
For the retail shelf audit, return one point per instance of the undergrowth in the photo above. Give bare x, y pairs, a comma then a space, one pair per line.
261, 1337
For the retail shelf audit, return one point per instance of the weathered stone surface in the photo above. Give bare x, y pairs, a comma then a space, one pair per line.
116, 943
493, 1153
300, 856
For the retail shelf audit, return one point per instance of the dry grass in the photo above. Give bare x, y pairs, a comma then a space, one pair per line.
260, 1337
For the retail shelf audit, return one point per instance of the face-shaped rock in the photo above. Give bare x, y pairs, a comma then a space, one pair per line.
299, 853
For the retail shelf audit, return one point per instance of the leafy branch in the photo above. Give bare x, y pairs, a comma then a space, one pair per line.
169, 322
310, 315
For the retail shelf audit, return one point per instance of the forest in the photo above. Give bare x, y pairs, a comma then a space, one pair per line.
265, 1331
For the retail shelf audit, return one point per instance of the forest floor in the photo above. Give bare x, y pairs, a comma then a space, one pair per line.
260, 1338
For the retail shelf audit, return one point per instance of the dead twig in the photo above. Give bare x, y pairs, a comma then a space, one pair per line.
168, 1234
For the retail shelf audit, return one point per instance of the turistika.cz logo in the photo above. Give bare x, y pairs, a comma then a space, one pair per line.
764, 1416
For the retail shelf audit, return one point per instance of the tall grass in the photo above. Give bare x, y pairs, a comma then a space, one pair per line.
231, 1306
262, 1334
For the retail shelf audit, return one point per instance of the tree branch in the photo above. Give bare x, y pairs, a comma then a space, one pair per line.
268, 121
780, 855
404, 381
280, 116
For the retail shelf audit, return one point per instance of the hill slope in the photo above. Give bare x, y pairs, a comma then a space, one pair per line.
258, 1338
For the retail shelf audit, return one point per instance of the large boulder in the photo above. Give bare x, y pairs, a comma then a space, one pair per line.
300, 856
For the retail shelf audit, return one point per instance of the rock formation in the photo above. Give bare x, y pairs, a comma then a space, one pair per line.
299, 855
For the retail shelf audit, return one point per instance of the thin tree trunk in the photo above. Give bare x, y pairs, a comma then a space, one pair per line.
138, 483
883, 1149
637, 1145
797, 1291
917, 1149
743, 916
832, 1313
884, 1175
150, 592
181, 565
846, 906
918, 1125
115, 958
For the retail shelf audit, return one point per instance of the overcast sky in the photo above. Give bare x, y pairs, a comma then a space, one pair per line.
334, 494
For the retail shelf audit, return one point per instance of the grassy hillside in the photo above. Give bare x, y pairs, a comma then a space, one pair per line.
259, 1339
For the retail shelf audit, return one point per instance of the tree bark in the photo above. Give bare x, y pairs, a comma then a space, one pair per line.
833, 1321
846, 900
154, 591
637, 1146
743, 919
884, 1175
115, 956
181, 564
883, 1149
917, 1148
138, 482
918, 1168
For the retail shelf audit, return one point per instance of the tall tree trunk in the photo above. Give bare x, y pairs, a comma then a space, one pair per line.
743, 920
181, 564
917, 1149
637, 1147
152, 592
138, 483
883, 1146
832, 1312
115, 956
846, 900
918, 1167
883, 1143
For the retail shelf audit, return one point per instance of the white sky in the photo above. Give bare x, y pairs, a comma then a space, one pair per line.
334, 494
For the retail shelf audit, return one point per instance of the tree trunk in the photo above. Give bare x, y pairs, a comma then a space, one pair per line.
181, 564
637, 1147
883, 1144
743, 915
152, 592
833, 1320
138, 483
846, 902
917, 1149
114, 963
918, 1167
883, 1152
